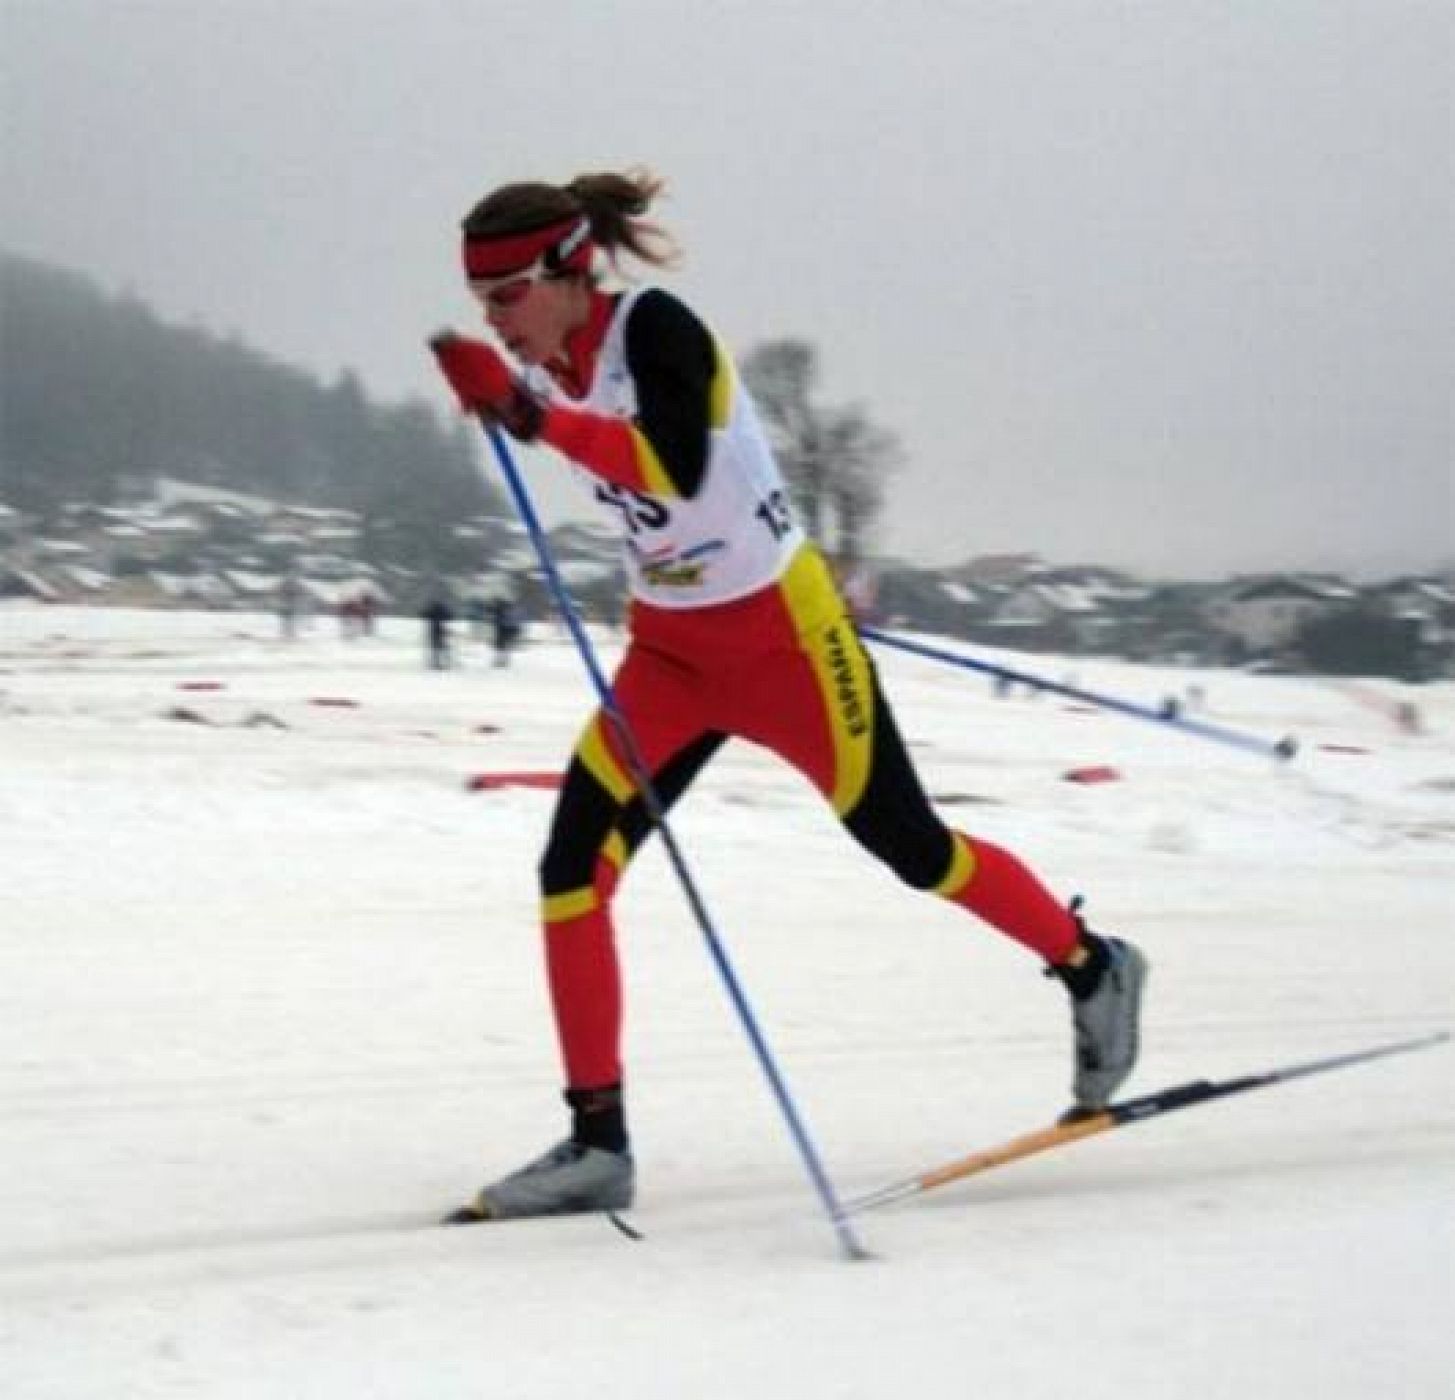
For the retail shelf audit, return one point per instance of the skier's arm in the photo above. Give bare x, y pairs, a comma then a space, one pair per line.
681, 375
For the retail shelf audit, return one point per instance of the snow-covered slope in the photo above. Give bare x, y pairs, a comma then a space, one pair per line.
271, 999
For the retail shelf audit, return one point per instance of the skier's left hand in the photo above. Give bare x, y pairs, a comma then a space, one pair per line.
484, 384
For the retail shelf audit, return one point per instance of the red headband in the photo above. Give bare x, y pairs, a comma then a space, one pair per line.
561, 247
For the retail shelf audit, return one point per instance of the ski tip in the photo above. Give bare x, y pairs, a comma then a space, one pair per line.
1421, 1042
471, 1213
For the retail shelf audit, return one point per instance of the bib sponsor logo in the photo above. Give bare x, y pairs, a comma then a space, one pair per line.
687, 569
677, 574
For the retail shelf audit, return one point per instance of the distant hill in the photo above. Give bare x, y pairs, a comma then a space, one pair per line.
97, 393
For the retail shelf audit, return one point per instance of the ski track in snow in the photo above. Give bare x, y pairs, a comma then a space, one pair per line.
270, 1002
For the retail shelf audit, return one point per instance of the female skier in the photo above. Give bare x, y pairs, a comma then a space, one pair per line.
736, 628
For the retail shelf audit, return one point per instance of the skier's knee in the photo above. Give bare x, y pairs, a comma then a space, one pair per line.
565, 866
919, 853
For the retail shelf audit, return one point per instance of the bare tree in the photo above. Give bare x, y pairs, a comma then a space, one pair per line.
834, 458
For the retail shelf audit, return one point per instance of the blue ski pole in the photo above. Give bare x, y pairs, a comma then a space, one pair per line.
848, 1240
1284, 748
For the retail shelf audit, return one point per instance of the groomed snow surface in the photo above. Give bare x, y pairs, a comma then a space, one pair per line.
271, 1000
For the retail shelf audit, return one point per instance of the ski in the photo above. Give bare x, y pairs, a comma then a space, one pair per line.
1073, 1127
472, 1213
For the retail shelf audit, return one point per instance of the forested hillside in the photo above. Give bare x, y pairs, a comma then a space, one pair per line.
97, 393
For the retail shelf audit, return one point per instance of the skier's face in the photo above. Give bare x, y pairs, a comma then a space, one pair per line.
531, 314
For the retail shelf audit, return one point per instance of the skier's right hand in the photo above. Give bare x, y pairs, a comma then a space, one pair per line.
484, 384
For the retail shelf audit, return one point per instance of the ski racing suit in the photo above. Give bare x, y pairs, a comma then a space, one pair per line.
736, 629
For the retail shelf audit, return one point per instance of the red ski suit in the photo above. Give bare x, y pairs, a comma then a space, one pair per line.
780, 665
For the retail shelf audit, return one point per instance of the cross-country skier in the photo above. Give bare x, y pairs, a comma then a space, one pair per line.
736, 629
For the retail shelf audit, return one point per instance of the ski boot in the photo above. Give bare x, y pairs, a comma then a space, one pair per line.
1106, 1010
592, 1170
567, 1180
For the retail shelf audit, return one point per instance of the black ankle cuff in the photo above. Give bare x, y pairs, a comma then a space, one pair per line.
1082, 981
598, 1118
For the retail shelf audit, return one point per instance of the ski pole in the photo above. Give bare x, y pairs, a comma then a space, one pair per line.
1284, 748
636, 765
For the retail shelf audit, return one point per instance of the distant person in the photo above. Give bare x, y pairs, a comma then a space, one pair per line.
438, 616
368, 609
859, 590
505, 628
736, 629
290, 606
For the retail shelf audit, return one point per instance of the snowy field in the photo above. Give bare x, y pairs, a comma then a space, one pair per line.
271, 1000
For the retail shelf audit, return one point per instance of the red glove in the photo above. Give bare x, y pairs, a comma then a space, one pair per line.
484, 384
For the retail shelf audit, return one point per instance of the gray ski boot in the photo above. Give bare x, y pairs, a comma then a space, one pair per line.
567, 1180
1106, 1014
592, 1170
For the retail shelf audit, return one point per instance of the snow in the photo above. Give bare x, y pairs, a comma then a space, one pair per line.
271, 1000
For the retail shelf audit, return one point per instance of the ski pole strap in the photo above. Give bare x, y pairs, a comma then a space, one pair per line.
1282, 749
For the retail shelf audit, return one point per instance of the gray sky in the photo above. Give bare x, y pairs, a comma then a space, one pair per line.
1165, 285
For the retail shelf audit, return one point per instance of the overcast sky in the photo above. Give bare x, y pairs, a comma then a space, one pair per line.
1166, 284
